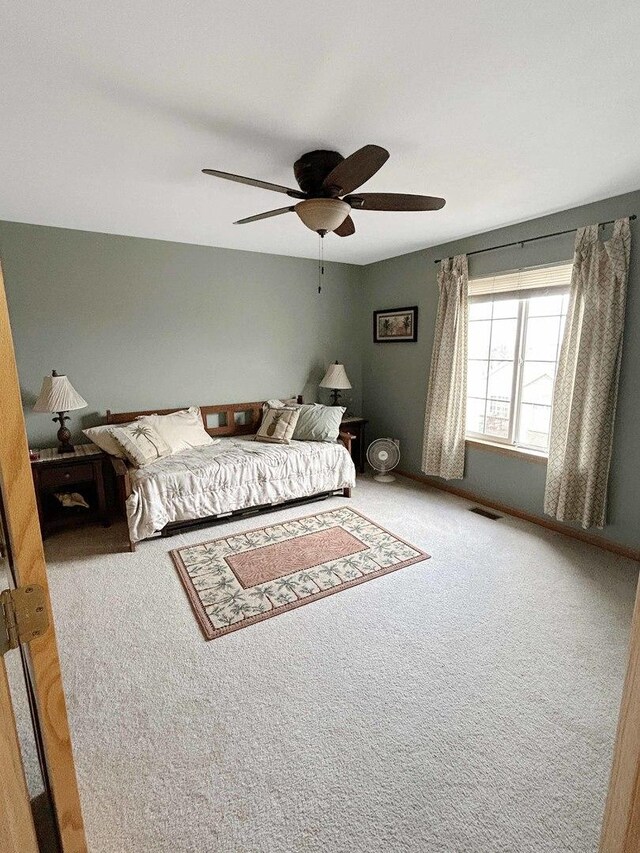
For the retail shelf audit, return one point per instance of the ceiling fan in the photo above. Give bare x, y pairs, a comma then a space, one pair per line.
327, 181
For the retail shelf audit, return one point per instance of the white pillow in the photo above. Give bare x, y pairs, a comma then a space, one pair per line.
141, 443
180, 430
101, 435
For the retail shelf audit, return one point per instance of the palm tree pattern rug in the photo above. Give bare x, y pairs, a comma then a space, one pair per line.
242, 579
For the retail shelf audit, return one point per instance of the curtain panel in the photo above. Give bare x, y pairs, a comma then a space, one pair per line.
586, 385
445, 415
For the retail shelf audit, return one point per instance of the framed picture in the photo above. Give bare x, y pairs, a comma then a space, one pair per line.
395, 325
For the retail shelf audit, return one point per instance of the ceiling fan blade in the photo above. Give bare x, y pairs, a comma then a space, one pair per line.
352, 172
264, 215
253, 182
346, 229
394, 201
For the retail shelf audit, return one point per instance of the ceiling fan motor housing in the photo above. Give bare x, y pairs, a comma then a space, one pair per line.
312, 168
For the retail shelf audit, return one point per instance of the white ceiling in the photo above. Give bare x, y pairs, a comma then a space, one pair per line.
509, 110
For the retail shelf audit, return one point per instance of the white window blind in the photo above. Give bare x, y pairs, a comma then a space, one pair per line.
538, 281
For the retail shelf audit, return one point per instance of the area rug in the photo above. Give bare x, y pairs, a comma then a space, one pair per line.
242, 579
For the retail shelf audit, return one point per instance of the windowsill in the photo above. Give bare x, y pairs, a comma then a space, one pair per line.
508, 450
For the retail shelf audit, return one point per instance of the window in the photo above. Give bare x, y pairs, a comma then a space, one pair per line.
516, 322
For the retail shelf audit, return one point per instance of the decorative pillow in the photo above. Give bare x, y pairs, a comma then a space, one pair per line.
141, 443
278, 425
291, 403
180, 430
101, 435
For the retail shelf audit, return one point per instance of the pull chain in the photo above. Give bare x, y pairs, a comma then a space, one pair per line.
320, 261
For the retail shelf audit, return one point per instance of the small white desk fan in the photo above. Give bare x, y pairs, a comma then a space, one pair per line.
383, 455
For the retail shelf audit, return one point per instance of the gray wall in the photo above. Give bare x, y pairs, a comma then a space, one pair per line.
144, 323
395, 375
140, 324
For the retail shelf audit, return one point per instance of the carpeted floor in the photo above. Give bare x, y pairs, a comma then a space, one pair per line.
466, 704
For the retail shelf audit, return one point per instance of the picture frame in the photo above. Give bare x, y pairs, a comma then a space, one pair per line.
395, 325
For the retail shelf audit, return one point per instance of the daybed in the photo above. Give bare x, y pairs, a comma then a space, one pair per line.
233, 477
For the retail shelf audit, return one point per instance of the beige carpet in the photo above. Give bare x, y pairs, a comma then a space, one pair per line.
463, 705
235, 581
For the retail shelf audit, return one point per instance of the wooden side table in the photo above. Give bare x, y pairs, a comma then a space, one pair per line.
80, 471
355, 427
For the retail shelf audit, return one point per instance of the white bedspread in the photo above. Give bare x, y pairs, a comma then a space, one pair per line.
235, 473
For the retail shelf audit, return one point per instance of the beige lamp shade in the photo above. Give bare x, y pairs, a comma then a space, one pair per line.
336, 377
323, 214
58, 395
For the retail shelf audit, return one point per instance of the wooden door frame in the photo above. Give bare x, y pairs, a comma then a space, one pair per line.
17, 832
621, 824
28, 556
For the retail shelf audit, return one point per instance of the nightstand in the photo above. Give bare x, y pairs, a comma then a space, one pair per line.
80, 471
355, 427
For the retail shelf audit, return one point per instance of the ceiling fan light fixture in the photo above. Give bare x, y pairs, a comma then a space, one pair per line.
322, 214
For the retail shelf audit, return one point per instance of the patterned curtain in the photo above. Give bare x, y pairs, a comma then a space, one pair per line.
586, 386
445, 416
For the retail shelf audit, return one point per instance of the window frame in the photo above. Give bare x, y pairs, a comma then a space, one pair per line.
519, 361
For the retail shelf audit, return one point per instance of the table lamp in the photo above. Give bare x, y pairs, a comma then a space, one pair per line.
335, 378
58, 395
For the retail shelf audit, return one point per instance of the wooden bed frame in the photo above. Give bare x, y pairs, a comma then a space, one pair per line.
223, 420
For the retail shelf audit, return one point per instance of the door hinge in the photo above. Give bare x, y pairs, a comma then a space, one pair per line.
23, 616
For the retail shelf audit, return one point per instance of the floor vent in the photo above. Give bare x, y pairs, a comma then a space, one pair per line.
485, 513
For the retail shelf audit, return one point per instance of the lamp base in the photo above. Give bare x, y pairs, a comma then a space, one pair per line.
335, 397
64, 436
65, 445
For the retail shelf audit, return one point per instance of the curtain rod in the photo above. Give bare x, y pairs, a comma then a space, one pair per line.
533, 239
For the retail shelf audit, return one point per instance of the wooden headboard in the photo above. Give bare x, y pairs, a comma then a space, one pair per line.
223, 419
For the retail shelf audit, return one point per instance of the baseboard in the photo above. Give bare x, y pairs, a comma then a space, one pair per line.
557, 527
